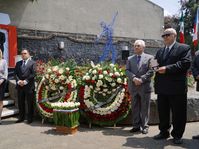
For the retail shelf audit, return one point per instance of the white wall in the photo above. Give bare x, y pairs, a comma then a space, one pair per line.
136, 18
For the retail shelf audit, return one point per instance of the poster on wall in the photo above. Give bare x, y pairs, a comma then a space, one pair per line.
10, 45
9, 40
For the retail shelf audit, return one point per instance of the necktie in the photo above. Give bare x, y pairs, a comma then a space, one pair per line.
23, 66
138, 60
24, 63
166, 52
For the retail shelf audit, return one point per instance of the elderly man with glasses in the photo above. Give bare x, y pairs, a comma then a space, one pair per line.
25, 71
171, 86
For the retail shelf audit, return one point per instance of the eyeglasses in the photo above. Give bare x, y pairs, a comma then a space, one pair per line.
166, 35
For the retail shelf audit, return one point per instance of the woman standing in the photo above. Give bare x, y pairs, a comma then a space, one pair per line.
3, 78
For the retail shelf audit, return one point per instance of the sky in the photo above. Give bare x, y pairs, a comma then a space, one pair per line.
171, 7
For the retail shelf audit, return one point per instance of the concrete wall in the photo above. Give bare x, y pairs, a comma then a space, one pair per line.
136, 19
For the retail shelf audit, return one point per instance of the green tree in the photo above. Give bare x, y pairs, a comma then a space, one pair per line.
189, 7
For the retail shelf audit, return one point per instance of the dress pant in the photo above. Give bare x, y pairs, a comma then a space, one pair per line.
29, 97
140, 110
177, 104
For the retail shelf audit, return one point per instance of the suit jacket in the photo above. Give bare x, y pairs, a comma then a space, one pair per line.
2, 40
28, 74
177, 62
195, 69
143, 71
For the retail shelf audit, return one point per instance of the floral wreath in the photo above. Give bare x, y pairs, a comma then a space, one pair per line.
57, 85
103, 94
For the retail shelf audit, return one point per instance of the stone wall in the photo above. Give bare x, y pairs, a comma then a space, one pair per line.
81, 47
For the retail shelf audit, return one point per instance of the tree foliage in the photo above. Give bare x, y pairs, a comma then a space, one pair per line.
189, 8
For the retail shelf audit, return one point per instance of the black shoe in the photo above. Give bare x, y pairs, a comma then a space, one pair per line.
161, 136
195, 137
134, 130
19, 120
177, 141
145, 131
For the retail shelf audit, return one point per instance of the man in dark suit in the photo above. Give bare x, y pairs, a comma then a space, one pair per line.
25, 71
2, 41
171, 86
139, 83
195, 72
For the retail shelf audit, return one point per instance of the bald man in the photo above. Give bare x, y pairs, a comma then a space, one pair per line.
171, 86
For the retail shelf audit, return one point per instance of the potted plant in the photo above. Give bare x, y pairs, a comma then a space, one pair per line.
66, 116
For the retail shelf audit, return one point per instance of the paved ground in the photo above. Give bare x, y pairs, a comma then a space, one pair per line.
38, 136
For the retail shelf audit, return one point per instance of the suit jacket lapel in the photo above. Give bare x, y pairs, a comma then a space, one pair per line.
141, 61
171, 51
26, 66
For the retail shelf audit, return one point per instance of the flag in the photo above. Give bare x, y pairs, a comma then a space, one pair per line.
182, 29
195, 29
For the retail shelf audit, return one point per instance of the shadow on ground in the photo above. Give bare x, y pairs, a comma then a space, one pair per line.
149, 143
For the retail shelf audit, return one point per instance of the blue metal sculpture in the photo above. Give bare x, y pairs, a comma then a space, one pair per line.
108, 34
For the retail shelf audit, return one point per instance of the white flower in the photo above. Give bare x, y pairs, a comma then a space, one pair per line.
104, 85
103, 94
117, 74
99, 83
55, 68
97, 89
52, 76
94, 72
121, 73
67, 69
119, 80
73, 83
47, 87
49, 70
100, 76
114, 90
110, 79
99, 68
105, 89
113, 84
61, 88
112, 65
105, 72
62, 77
53, 87
61, 71
67, 81
56, 81
109, 92
111, 74
70, 78
87, 78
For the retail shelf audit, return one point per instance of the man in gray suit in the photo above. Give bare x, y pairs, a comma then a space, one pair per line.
139, 83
